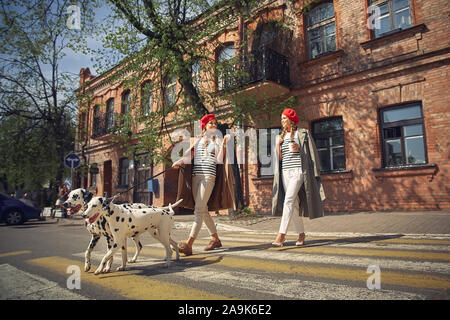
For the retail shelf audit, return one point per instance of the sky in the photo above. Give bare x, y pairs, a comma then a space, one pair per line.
74, 61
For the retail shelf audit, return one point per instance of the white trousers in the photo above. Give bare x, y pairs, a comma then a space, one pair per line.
292, 181
202, 187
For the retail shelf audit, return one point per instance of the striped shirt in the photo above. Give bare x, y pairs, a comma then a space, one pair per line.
204, 159
289, 159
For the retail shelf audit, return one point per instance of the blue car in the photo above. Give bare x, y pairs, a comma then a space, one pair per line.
13, 211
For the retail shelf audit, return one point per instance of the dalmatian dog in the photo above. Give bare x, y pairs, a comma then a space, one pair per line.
77, 200
125, 223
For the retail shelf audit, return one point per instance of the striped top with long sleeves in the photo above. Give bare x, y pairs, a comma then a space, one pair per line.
289, 159
205, 160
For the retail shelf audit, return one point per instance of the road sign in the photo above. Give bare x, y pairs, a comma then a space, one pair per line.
72, 161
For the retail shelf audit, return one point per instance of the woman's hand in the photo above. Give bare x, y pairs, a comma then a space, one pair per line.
177, 164
295, 147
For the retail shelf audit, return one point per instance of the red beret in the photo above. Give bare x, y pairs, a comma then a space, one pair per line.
207, 119
291, 114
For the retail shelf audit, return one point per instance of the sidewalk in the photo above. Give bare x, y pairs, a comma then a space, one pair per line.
420, 222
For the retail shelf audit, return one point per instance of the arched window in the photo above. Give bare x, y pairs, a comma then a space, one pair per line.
146, 98
225, 68
321, 30
109, 116
125, 107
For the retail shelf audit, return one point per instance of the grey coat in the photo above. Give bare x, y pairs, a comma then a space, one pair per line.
311, 193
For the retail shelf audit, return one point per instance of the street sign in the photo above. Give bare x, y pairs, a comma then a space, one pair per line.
72, 161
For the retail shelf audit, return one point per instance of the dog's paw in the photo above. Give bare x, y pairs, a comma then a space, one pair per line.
87, 267
121, 268
132, 261
98, 271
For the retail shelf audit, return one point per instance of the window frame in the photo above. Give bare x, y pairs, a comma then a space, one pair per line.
146, 98
329, 135
223, 80
391, 12
401, 124
125, 106
320, 26
109, 114
170, 85
124, 172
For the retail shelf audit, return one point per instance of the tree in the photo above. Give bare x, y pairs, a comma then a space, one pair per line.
157, 42
37, 103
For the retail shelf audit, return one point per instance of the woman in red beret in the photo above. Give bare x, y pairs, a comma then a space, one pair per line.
210, 183
299, 193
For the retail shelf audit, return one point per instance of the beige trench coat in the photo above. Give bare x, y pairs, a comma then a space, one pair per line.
222, 196
311, 193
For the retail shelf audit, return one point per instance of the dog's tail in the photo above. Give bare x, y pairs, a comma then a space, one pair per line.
170, 206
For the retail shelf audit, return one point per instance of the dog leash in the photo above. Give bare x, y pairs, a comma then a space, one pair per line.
152, 177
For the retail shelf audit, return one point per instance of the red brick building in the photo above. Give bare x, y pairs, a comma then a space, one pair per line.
371, 85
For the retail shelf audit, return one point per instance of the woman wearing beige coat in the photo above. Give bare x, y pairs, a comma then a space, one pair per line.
205, 184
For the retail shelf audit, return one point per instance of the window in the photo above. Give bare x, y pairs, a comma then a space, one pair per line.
266, 159
125, 107
109, 120
171, 93
330, 143
402, 133
195, 72
146, 98
123, 168
321, 30
225, 67
394, 15
94, 173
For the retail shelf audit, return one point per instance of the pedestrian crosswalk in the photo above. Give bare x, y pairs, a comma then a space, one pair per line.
333, 266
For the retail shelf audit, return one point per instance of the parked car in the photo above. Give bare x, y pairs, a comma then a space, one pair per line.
13, 211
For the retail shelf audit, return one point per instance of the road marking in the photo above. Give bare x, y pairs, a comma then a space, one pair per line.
343, 243
16, 284
128, 284
417, 255
292, 288
388, 277
14, 253
435, 236
373, 239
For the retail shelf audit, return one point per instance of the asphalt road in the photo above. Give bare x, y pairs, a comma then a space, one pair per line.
35, 257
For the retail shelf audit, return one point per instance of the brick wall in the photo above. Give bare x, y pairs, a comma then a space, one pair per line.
362, 76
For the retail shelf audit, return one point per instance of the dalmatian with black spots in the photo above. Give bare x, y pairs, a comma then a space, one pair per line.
126, 223
78, 199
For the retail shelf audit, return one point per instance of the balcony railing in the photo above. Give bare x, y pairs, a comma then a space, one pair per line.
263, 64
267, 64
106, 124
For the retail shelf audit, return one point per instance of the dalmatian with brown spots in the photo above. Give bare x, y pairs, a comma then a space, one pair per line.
127, 223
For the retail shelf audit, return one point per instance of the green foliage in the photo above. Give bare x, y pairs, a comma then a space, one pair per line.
38, 105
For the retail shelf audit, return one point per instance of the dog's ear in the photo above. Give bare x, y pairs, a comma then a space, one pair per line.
87, 196
105, 202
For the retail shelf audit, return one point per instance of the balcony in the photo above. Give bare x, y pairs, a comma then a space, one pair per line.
107, 125
266, 75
